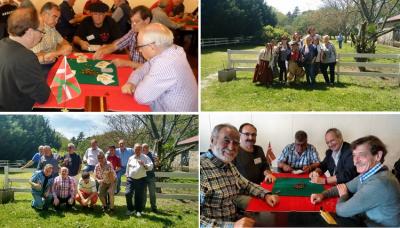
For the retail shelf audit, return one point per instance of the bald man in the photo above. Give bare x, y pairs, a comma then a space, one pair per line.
166, 81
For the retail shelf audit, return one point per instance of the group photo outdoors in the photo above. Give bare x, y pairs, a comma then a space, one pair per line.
199, 113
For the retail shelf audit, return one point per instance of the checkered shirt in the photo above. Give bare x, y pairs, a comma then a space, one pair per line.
129, 41
63, 188
296, 161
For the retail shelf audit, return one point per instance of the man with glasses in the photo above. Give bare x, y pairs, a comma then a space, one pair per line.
221, 183
22, 82
166, 81
141, 16
251, 161
73, 162
52, 44
98, 29
299, 156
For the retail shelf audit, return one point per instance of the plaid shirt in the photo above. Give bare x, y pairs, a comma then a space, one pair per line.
220, 184
104, 173
63, 188
129, 41
296, 161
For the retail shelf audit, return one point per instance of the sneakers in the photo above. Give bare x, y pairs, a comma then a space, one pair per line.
128, 213
138, 214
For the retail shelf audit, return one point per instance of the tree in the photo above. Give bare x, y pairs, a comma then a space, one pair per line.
162, 131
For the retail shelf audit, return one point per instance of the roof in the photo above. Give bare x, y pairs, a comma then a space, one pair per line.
189, 140
394, 18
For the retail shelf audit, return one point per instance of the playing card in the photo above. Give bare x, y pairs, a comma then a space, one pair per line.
93, 47
81, 59
102, 64
299, 171
107, 70
78, 54
105, 79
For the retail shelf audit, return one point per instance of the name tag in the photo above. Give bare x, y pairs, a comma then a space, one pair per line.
257, 161
89, 38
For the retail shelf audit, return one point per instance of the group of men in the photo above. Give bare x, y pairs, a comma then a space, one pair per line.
162, 79
233, 168
54, 185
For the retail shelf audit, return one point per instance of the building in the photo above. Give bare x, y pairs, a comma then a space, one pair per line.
392, 38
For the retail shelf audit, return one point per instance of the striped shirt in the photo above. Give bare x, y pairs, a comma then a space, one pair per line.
220, 184
296, 161
166, 82
129, 41
49, 41
63, 188
370, 172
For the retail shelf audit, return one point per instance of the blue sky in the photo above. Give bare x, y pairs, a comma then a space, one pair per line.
70, 124
285, 6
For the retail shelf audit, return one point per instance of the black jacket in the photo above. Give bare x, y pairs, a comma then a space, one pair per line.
345, 170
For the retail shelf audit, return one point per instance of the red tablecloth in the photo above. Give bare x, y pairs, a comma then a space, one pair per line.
291, 203
115, 100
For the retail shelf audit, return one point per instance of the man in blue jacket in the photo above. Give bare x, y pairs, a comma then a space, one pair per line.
338, 161
41, 183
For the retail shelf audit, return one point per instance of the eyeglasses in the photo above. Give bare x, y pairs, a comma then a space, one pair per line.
144, 45
247, 134
41, 31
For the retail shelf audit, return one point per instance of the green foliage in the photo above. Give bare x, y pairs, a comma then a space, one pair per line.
230, 18
273, 33
22, 134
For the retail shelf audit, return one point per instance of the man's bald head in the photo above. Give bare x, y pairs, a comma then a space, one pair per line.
158, 34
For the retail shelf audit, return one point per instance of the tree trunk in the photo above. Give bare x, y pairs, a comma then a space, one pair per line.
363, 44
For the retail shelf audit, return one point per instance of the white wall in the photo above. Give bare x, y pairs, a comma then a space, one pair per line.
279, 129
190, 5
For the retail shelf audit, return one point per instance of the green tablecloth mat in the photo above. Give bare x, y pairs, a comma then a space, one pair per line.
286, 187
91, 79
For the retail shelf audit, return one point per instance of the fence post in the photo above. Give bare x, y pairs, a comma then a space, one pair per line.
338, 68
229, 59
6, 177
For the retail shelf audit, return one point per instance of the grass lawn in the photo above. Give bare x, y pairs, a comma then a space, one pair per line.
351, 94
172, 213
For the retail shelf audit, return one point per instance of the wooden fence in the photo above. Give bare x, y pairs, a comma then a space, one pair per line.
16, 163
183, 175
249, 63
212, 42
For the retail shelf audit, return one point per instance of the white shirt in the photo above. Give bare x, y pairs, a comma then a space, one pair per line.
336, 155
135, 170
91, 156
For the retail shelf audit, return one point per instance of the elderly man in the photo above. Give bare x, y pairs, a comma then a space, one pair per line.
338, 161
41, 183
141, 16
35, 159
22, 82
374, 193
52, 44
138, 164
150, 179
49, 158
73, 162
123, 153
105, 177
63, 190
159, 16
299, 156
67, 24
221, 183
98, 29
112, 157
250, 161
87, 193
90, 156
166, 81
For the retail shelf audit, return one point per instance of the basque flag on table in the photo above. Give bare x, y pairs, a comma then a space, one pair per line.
65, 86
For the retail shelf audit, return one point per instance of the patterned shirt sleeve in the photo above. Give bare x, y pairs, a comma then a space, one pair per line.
124, 41
250, 187
283, 156
139, 74
314, 155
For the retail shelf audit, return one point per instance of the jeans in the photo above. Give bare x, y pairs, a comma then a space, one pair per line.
135, 186
282, 71
89, 168
324, 69
310, 73
120, 173
41, 202
150, 183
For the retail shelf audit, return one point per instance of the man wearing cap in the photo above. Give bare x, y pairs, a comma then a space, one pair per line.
98, 29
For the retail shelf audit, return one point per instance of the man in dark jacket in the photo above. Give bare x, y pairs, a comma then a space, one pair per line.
338, 161
21, 80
